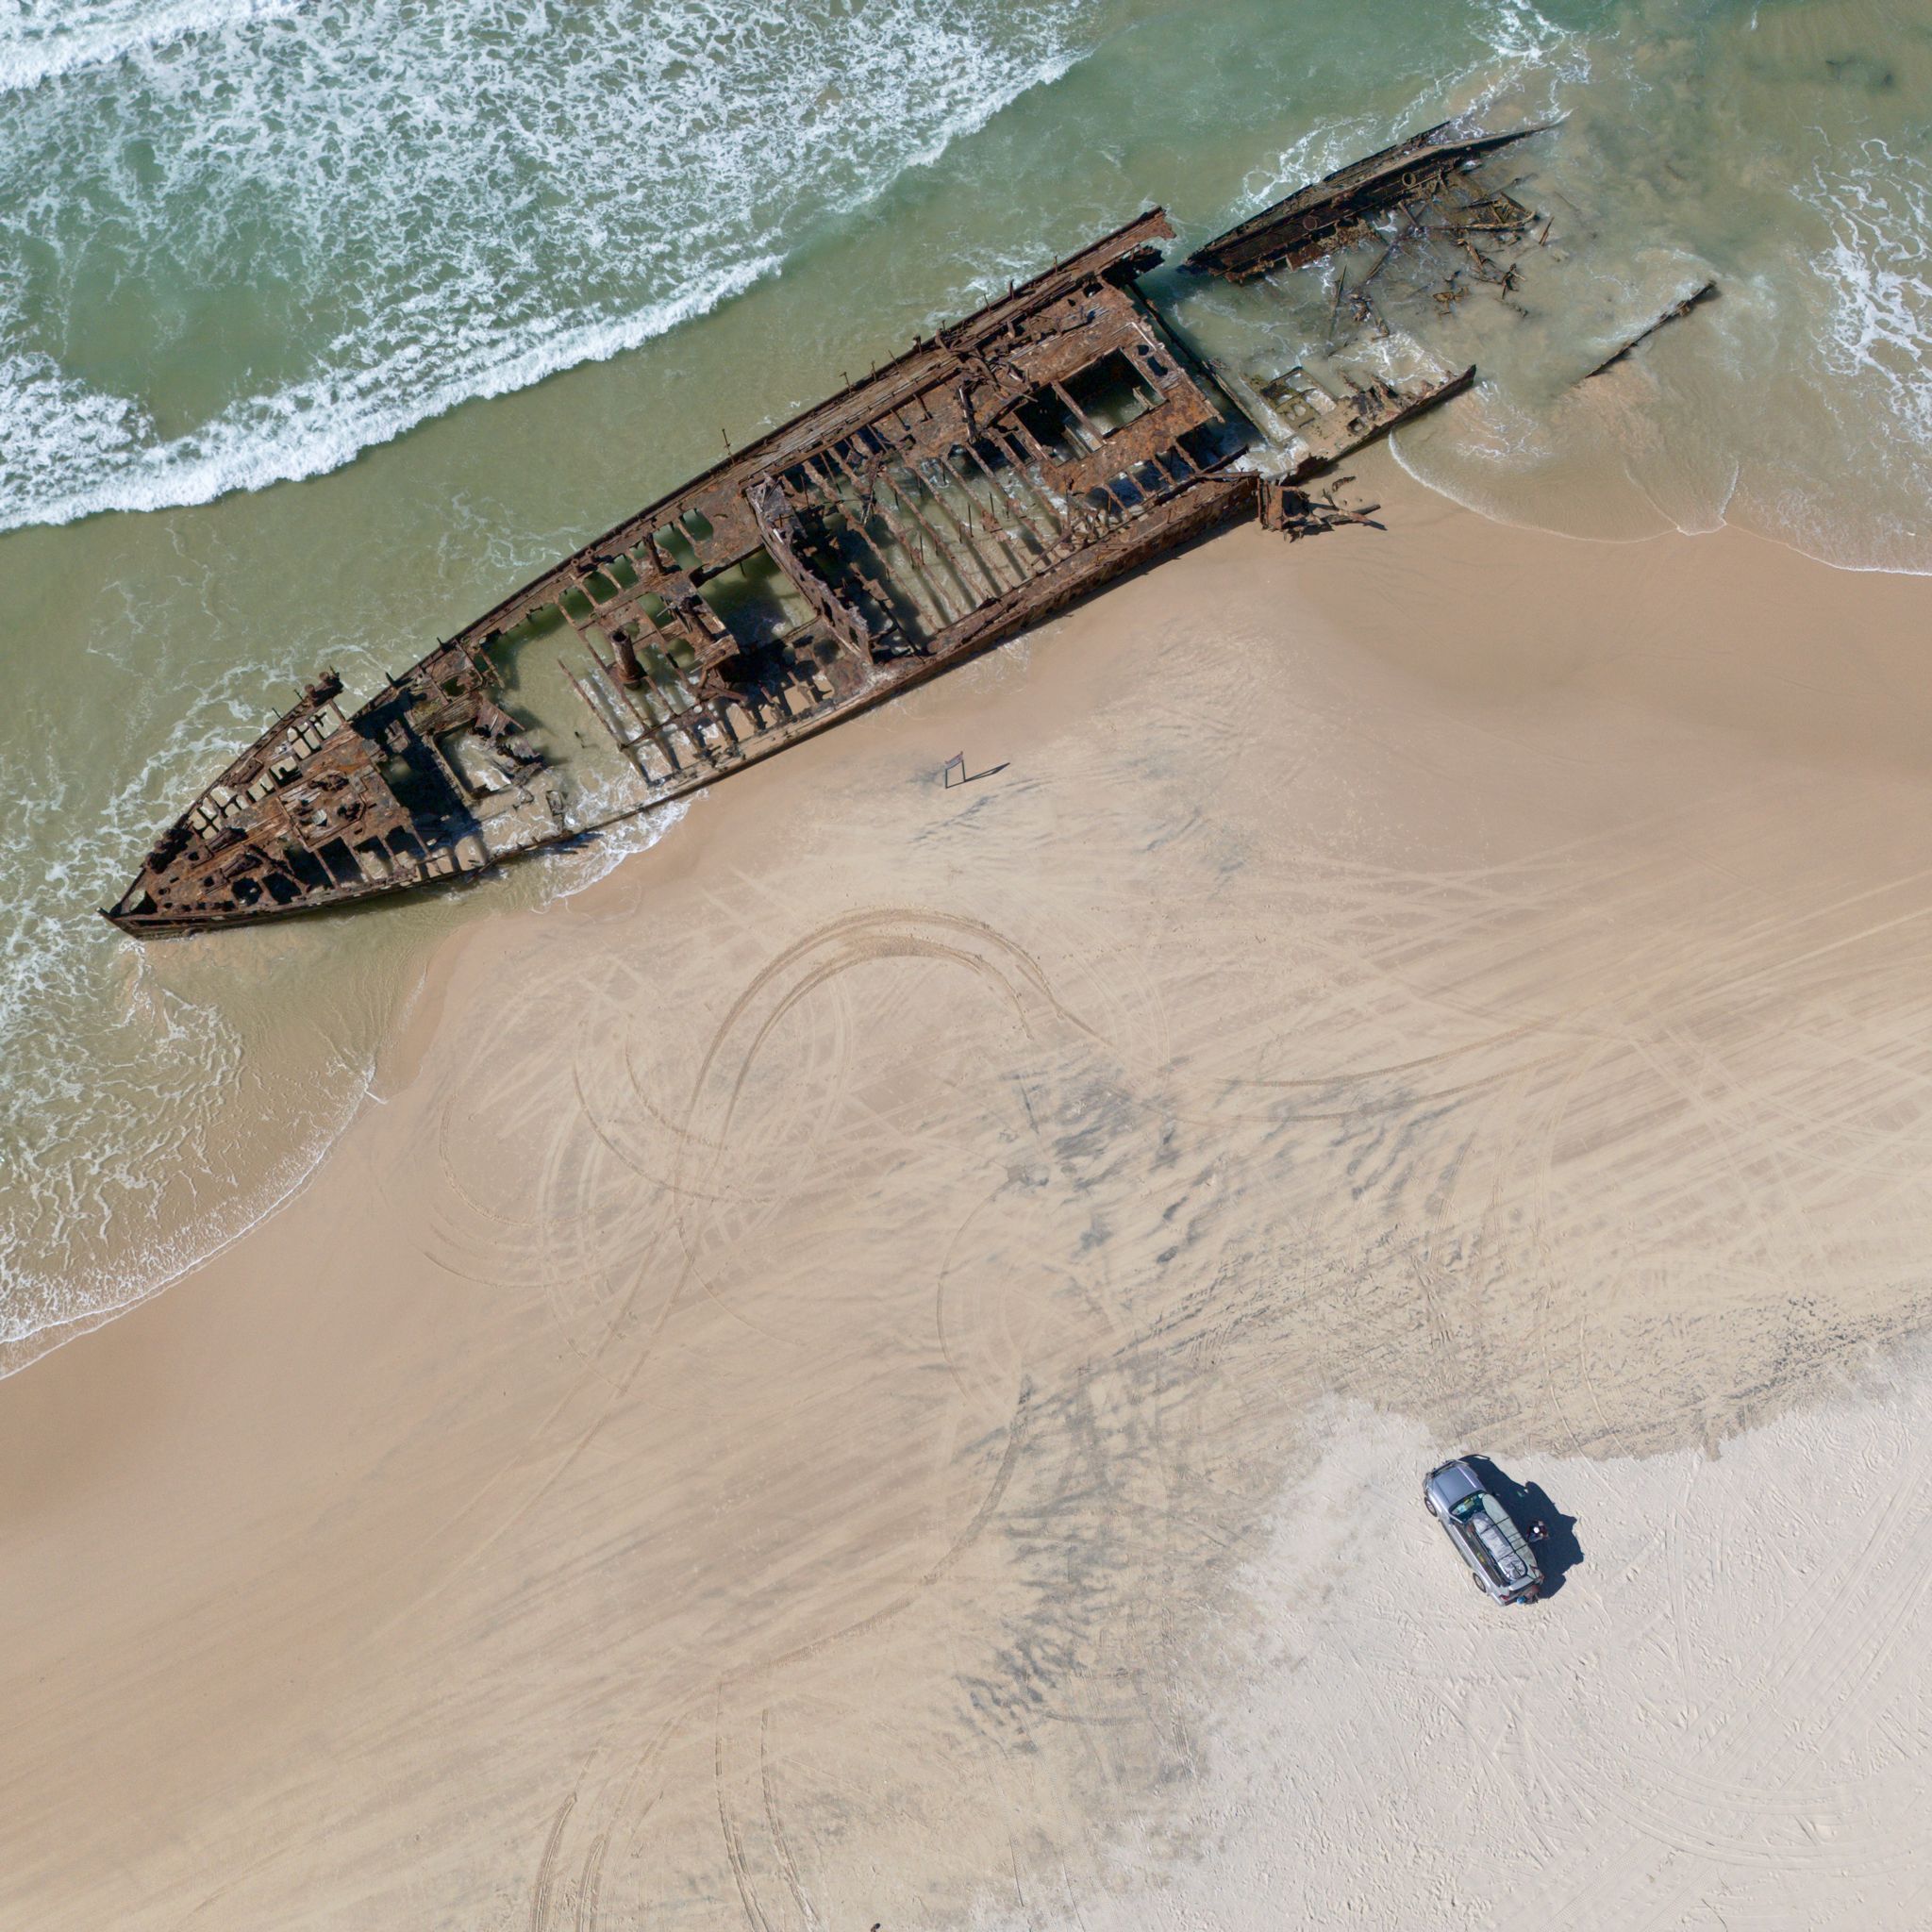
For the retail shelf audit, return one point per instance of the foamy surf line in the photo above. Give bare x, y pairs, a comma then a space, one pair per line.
82, 1306
433, 343
104, 1296
607, 844
176, 474
32, 55
78, 450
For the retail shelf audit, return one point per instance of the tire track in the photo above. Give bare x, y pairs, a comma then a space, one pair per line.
734, 1848
781, 1845
547, 1867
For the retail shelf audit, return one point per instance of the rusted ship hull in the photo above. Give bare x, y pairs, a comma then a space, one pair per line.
1018, 461
1202, 510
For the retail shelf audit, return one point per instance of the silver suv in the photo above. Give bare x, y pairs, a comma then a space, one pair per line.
1480, 1526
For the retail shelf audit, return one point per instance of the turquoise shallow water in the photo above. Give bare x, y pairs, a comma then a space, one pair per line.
320, 326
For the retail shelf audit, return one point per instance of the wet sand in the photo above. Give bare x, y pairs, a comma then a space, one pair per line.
875, 1366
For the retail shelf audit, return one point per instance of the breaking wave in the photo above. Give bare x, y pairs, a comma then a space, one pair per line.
251, 239
36, 49
1880, 331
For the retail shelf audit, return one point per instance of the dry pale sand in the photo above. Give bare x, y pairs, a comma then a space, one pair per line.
876, 1367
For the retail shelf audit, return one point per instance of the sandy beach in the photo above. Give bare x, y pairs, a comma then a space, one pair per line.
874, 1368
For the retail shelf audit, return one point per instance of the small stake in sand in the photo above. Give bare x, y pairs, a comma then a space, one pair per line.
958, 763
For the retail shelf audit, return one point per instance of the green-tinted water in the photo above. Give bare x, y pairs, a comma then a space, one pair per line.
248, 242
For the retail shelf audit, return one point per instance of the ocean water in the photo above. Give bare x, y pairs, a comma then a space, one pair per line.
322, 325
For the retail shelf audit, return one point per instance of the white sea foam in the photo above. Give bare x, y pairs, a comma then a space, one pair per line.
414, 206
1880, 209
395, 206
247, 241
109, 459
141, 1109
35, 47
575, 869
1521, 56
78, 1115
40, 1310
1522, 37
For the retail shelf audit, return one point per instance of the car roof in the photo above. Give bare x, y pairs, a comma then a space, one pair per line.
1453, 1481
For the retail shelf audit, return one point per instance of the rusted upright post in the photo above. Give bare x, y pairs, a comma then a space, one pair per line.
629, 668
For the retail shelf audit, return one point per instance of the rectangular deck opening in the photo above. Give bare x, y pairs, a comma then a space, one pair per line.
1110, 394
1045, 418
342, 866
677, 547
754, 601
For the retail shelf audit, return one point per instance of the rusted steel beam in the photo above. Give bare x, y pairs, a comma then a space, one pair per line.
1115, 257
1369, 413
1708, 292
1079, 414
854, 520
908, 501
637, 700
591, 705
1022, 468
778, 522
1025, 523
866, 489
929, 447
879, 471
964, 538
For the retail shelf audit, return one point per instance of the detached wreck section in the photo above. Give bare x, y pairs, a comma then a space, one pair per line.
1341, 207
990, 475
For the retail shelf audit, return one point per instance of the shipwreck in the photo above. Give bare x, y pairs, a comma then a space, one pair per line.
1015, 461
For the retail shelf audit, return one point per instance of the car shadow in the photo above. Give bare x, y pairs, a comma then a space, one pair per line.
1557, 1550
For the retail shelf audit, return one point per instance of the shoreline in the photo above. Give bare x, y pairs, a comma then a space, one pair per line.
774, 1405
153, 640
25, 1351
1495, 513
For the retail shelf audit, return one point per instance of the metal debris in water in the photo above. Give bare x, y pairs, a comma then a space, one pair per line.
1706, 293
